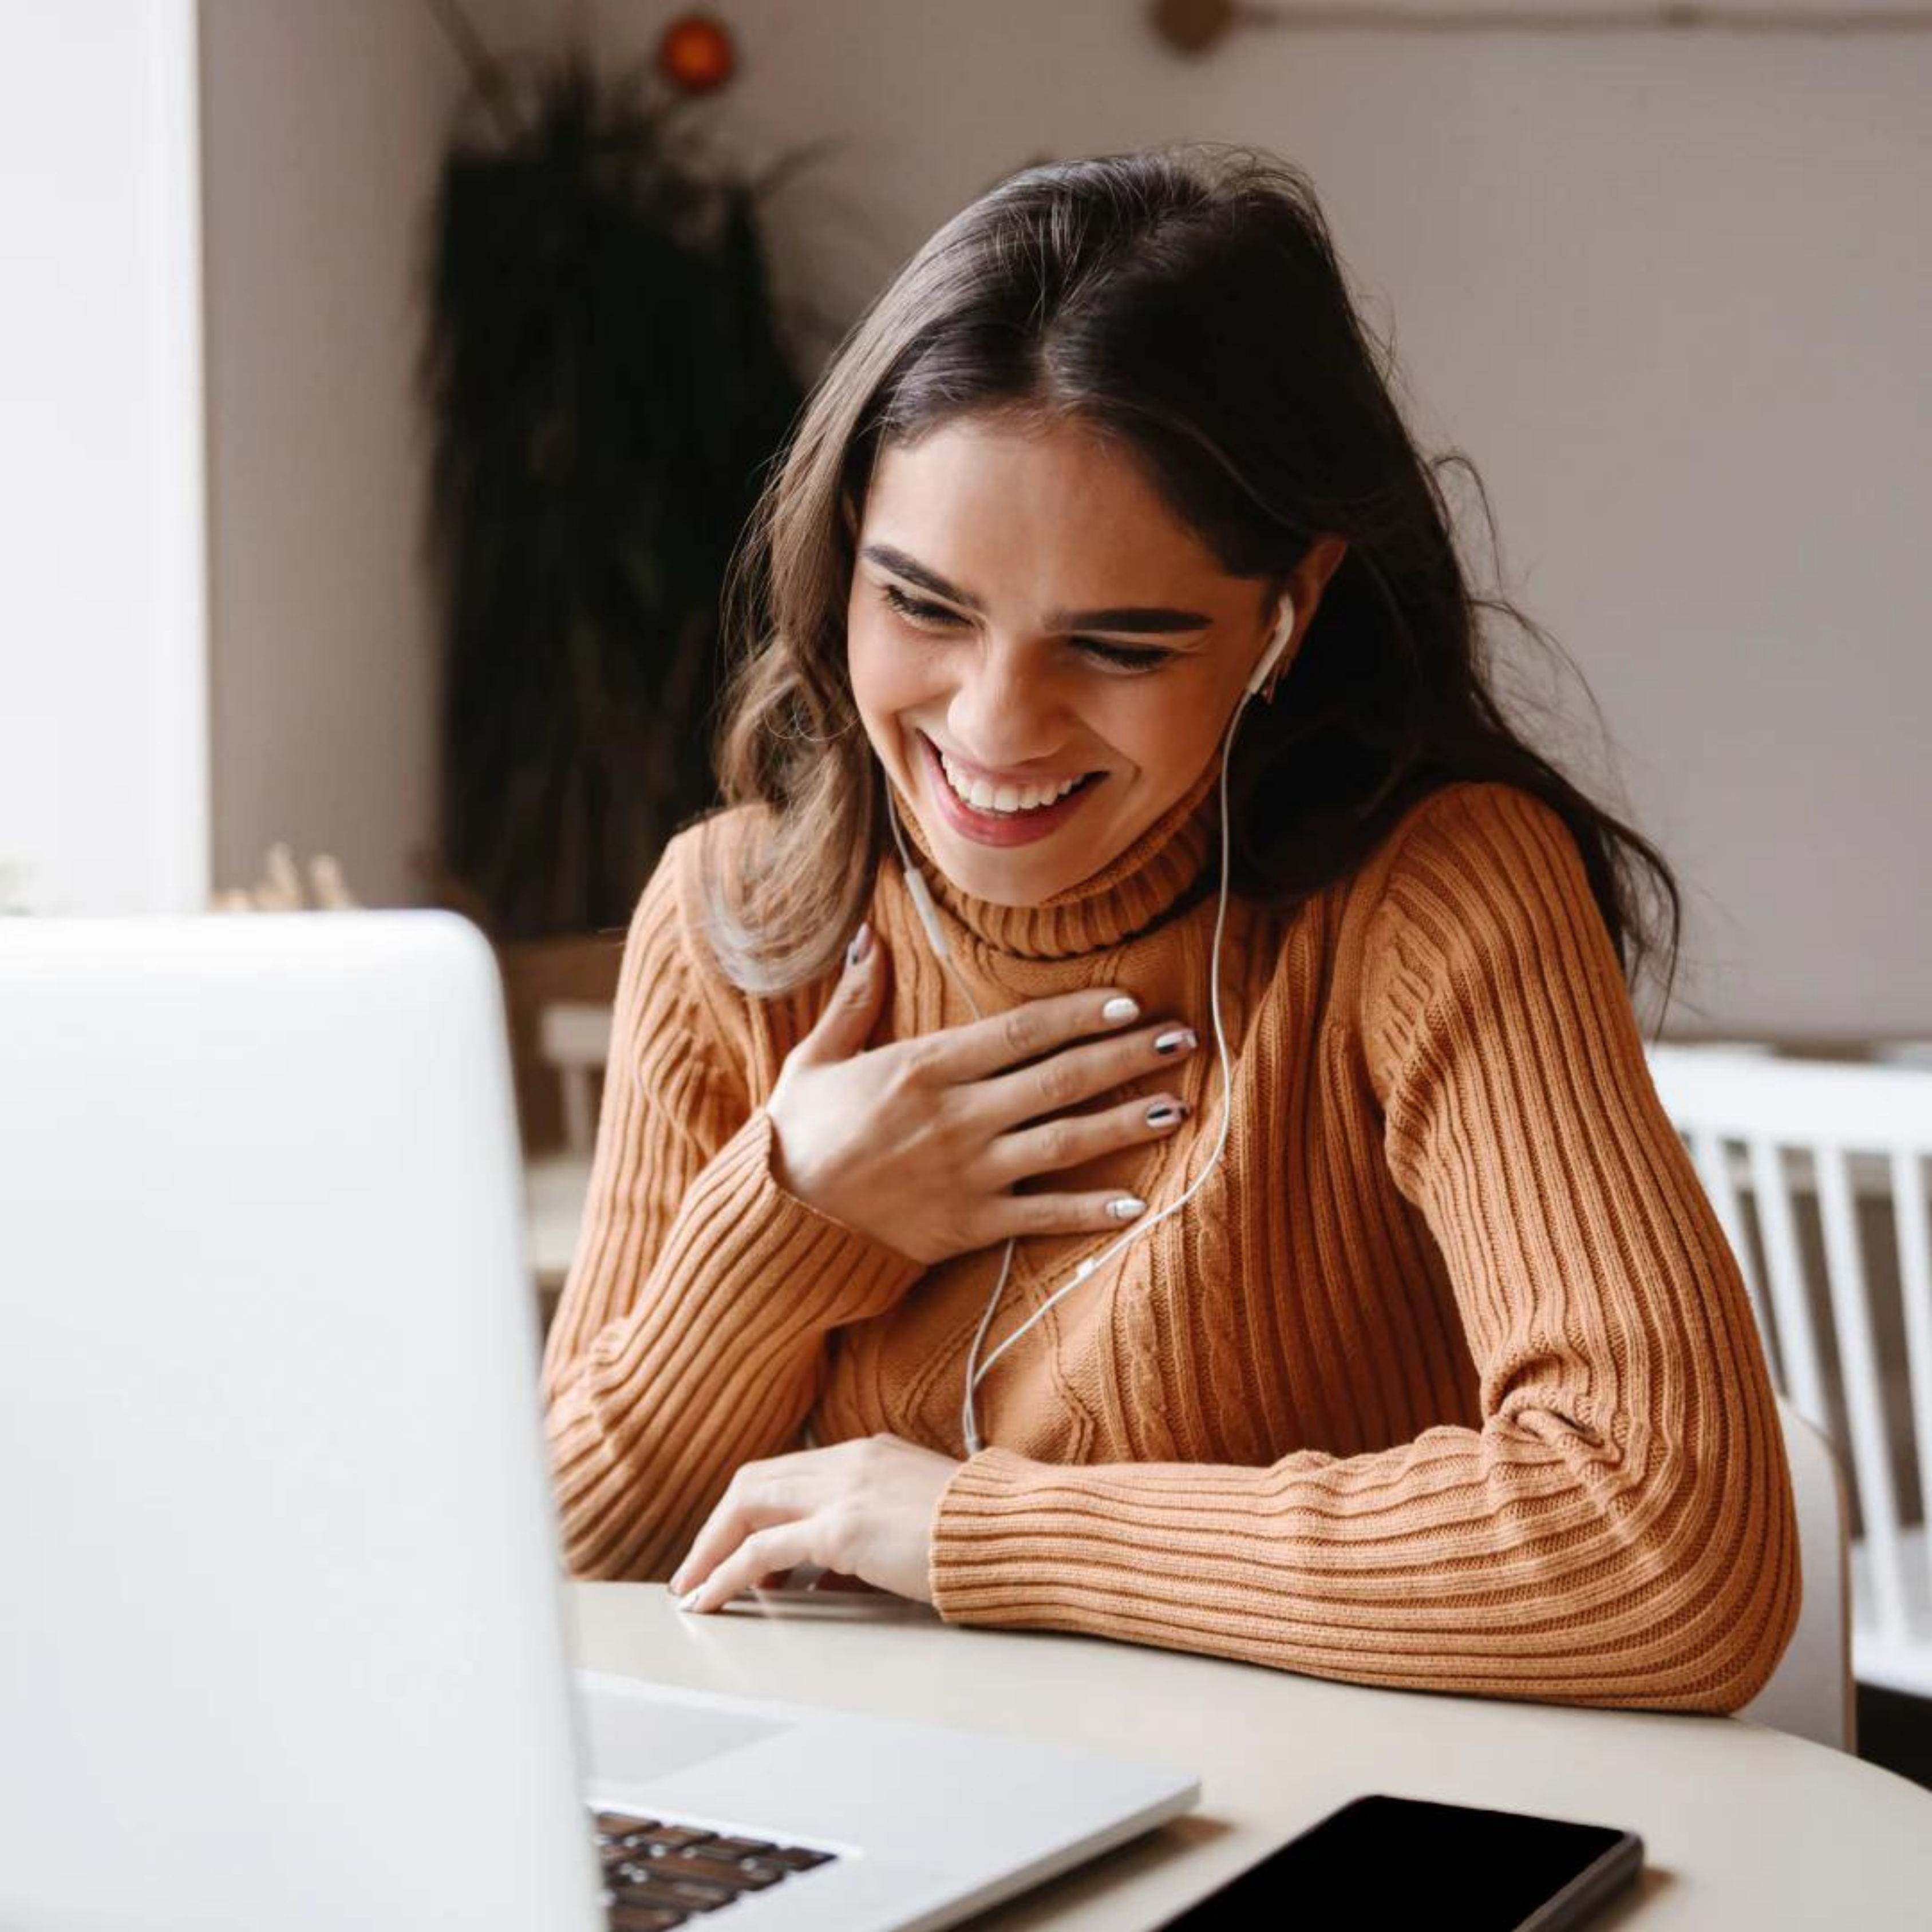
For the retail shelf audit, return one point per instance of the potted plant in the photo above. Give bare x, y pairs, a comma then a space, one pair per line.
605, 378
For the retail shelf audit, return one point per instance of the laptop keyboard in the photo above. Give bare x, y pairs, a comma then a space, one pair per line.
658, 1874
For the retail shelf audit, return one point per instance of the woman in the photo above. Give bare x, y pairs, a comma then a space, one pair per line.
1430, 1366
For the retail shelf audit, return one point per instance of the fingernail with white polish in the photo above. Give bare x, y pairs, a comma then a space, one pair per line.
688, 1601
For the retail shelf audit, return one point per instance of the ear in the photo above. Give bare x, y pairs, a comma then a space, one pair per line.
1309, 578
1305, 584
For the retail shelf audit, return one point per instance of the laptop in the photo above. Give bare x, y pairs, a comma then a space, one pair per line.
285, 1628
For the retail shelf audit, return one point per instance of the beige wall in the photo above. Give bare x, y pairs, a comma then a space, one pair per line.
321, 127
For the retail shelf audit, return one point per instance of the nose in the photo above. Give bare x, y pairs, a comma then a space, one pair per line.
1005, 717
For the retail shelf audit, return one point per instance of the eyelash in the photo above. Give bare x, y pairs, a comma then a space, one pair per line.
1123, 656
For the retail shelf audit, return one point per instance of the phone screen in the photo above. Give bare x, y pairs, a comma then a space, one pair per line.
1388, 1862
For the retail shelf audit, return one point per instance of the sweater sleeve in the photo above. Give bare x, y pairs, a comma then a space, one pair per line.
691, 1335
1620, 1529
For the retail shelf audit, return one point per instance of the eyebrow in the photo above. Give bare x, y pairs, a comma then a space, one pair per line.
1156, 619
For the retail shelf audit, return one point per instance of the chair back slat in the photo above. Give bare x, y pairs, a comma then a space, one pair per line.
1797, 1333
1864, 1394
1914, 1229
1712, 1160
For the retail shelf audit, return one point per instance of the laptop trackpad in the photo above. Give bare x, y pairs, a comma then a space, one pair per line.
635, 1735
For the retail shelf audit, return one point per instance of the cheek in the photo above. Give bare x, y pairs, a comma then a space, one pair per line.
886, 676
1154, 722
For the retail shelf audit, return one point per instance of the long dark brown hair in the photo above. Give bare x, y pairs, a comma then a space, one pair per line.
1187, 302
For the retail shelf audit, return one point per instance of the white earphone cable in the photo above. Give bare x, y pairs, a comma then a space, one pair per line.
929, 918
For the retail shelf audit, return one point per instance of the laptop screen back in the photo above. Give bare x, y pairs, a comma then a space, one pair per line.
284, 1645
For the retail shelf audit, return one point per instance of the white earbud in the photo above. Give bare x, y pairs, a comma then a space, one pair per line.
1284, 629
929, 918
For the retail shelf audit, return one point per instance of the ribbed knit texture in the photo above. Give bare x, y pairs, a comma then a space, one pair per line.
1445, 1380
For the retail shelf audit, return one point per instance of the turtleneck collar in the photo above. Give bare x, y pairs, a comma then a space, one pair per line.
1131, 892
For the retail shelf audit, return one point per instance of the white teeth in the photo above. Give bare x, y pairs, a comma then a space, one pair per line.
984, 797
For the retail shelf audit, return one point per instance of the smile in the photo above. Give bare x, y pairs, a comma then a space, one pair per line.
1002, 819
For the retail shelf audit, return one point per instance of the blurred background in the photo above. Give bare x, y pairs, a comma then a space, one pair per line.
1671, 291
385, 382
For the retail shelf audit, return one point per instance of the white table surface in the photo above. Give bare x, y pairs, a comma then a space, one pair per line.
1742, 1827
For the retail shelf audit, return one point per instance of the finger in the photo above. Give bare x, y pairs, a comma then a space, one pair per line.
984, 1047
850, 1014
750, 1502
1081, 1072
776, 1547
1068, 1140
1020, 1216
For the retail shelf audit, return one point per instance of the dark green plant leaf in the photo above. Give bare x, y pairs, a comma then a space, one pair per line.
606, 381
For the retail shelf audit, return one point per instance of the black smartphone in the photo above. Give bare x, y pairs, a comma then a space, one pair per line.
1403, 1864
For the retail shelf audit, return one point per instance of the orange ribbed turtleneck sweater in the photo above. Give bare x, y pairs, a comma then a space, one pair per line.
1445, 1380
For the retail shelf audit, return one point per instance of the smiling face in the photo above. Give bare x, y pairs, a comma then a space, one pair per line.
1024, 602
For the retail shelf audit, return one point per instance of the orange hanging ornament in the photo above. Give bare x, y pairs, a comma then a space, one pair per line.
696, 53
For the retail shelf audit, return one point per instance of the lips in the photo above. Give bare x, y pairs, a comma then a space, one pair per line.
1018, 784
1002, 828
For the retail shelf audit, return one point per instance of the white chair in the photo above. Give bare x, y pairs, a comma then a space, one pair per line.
1792, 1153
573, 1037
1812, 1693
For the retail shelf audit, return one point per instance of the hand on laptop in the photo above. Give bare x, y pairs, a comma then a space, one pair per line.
862, 1510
